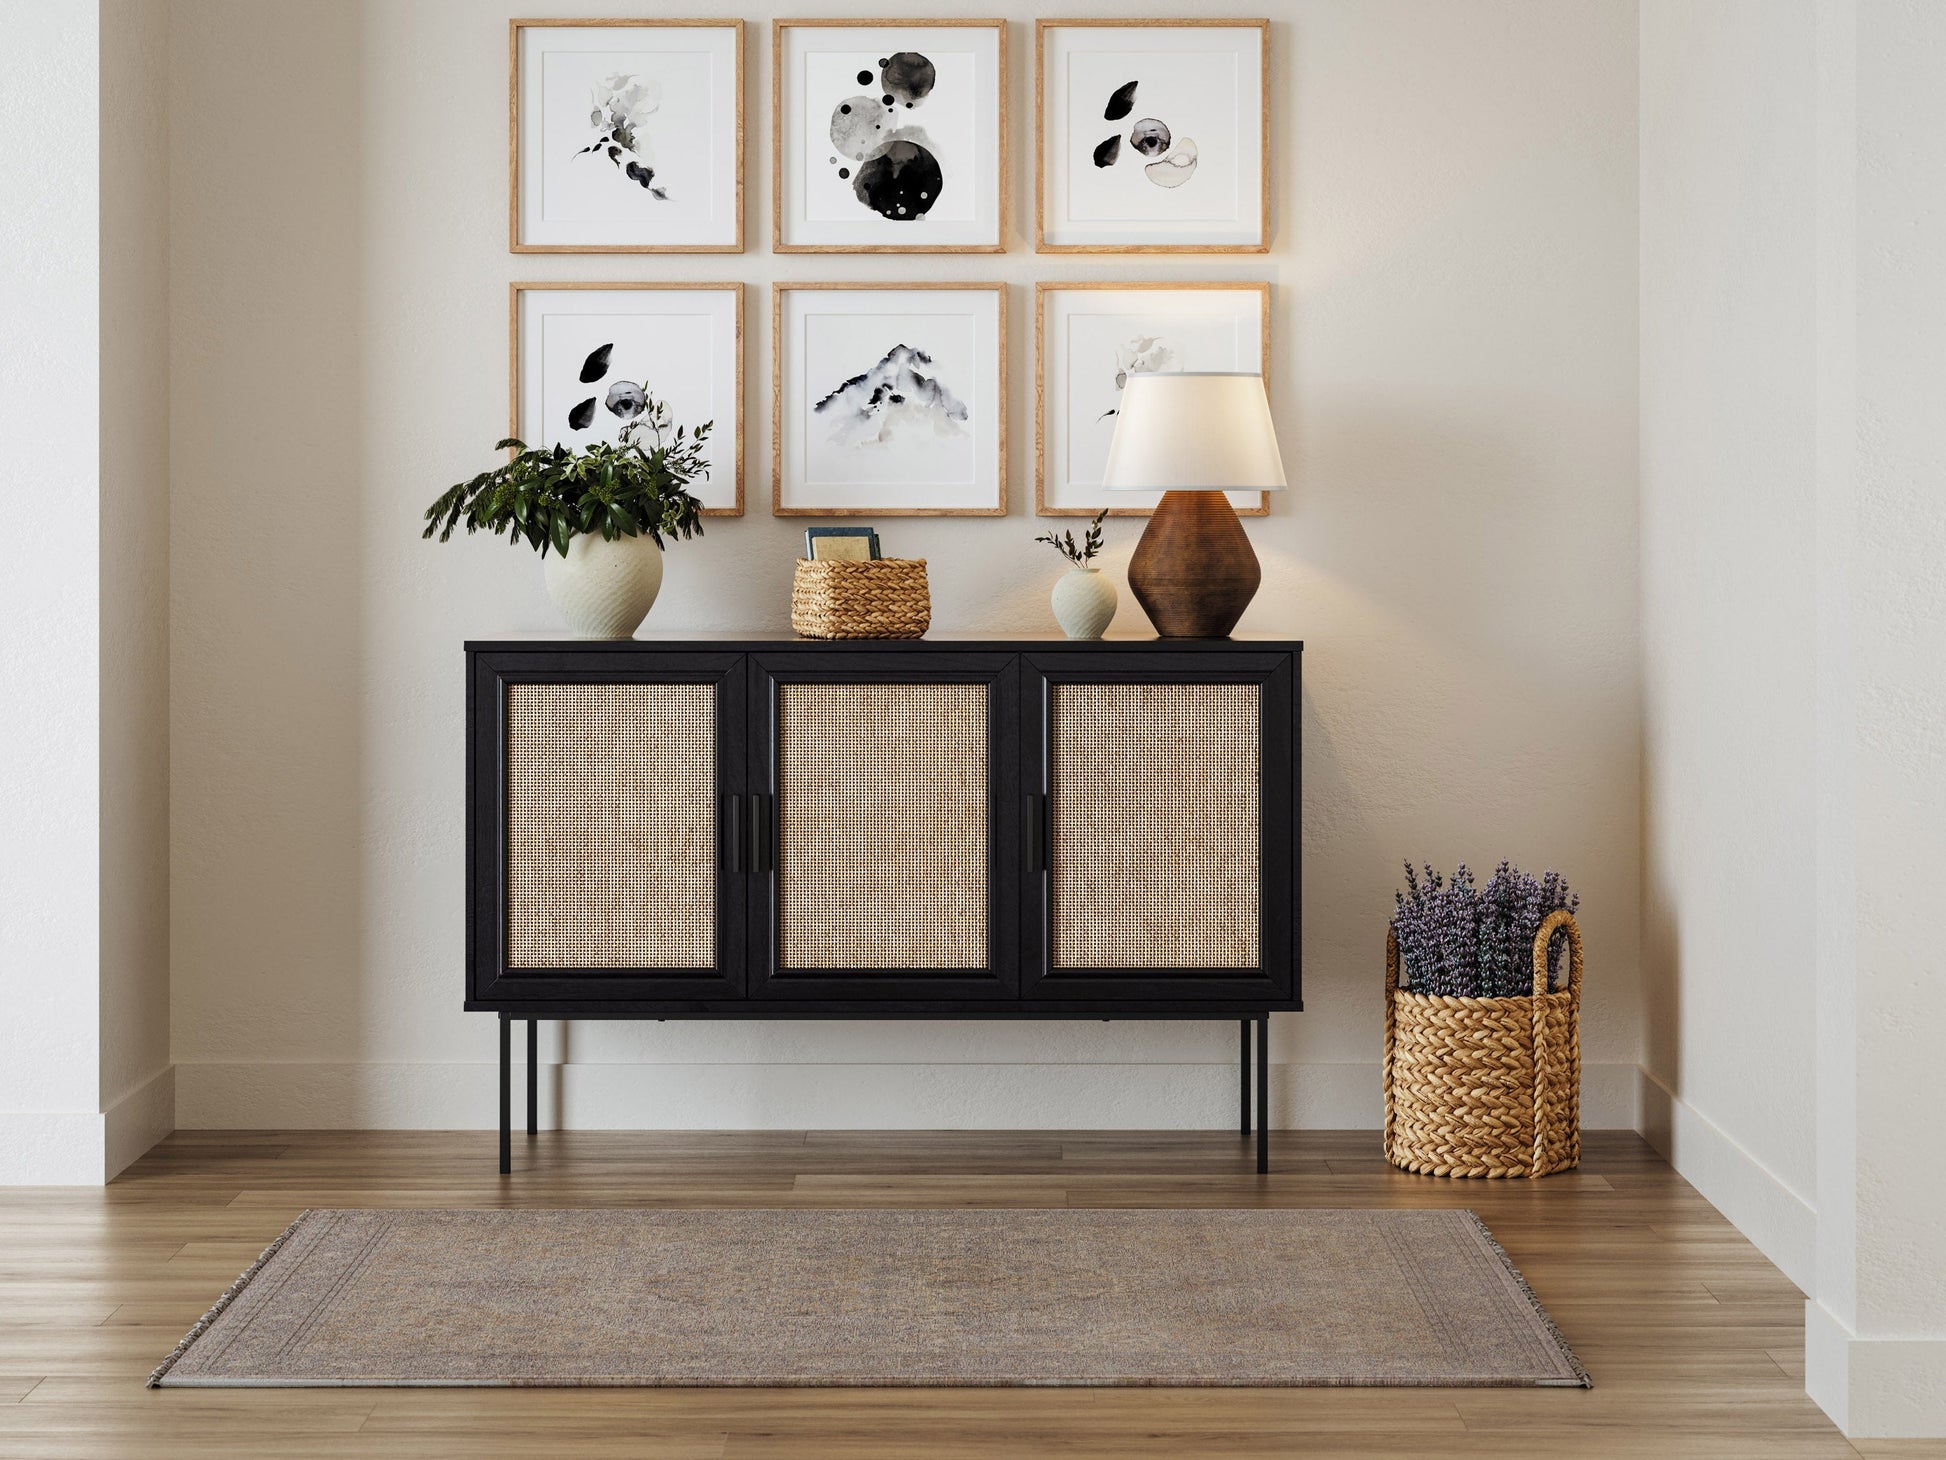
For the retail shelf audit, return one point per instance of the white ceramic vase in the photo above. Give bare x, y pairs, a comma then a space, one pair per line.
1084, 602
604, 589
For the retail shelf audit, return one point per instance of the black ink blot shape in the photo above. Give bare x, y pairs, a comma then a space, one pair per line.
844, 172
1149, 137
908, 76
882, 61
864, 78
596, 365
646, 177
900, 183
1109, 151
582, 415
846, 108
886, 99
1121, 103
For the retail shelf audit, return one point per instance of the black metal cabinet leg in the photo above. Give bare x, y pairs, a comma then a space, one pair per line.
506, 1096
533, 1077
1243, 1061
1263, 1094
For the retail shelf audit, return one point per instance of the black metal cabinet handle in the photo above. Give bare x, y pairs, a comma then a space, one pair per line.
733, 833
761, 858
1036, 832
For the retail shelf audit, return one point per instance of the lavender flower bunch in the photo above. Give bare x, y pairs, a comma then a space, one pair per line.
1471, 942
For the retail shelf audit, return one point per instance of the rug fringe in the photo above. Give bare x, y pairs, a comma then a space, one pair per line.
1540, 1312
230, 1294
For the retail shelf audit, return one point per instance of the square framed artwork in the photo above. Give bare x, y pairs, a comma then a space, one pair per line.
1090, 337
1154, 136
583, 357
889, 400
625, 136
888, 137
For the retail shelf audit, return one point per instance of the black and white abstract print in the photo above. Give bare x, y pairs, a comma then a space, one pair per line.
619, 115
624, 399
900, 398
877, 143
1168, 161
1141, 354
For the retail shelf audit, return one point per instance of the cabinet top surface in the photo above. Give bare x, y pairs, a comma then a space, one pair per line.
962, 641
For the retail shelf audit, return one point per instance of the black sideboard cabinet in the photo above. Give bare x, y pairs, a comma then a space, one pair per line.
783, 829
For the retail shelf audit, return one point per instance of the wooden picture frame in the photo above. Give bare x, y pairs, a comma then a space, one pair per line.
1042, 291
989, 450
728, 455
783, 221
517, 239
1127, 236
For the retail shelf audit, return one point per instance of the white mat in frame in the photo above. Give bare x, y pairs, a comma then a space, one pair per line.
1089, 335
888, 400
681, 343
835, 105
671, 181
1152, 136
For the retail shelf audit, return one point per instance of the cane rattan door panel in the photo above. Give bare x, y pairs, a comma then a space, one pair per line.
882, 857
611, 826
1163, 846
885, 862
1154, 824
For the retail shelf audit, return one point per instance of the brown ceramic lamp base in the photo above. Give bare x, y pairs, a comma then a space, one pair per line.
1194, 572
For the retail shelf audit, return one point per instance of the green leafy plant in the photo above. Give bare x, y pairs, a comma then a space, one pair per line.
1081, 553
547, 496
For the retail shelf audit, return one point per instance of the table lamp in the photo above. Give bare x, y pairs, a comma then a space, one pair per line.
1194, 437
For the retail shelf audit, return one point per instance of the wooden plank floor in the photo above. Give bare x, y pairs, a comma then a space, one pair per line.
1694, 1340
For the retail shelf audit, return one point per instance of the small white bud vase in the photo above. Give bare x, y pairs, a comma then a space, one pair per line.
604, 589
1084, 602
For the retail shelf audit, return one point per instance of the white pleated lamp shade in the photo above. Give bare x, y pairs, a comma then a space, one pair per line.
1193, 432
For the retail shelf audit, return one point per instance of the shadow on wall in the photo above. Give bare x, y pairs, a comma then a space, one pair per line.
268, 608
1469, 696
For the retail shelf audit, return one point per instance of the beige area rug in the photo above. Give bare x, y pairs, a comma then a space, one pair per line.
810, 1297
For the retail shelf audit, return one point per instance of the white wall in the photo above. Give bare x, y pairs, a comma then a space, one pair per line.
1728, 420
1876, 1340
1453, 374
86, 1085
1793, 349
50, 1127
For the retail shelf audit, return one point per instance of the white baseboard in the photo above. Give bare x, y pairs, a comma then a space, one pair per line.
1782, 1224
137, 1121
1874, 1388
85, 1147
779, 1096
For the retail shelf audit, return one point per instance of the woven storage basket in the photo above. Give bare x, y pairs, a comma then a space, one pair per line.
1485, 1087
886, 598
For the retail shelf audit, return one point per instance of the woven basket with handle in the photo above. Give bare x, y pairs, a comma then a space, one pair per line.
885, 598
1485, 1087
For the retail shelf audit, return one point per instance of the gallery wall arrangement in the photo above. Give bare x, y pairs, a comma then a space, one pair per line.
888, 398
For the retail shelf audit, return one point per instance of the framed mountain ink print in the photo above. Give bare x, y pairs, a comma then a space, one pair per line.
889, 400
626, 136
1154, 136
889, 136
587, 358
1089, 338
